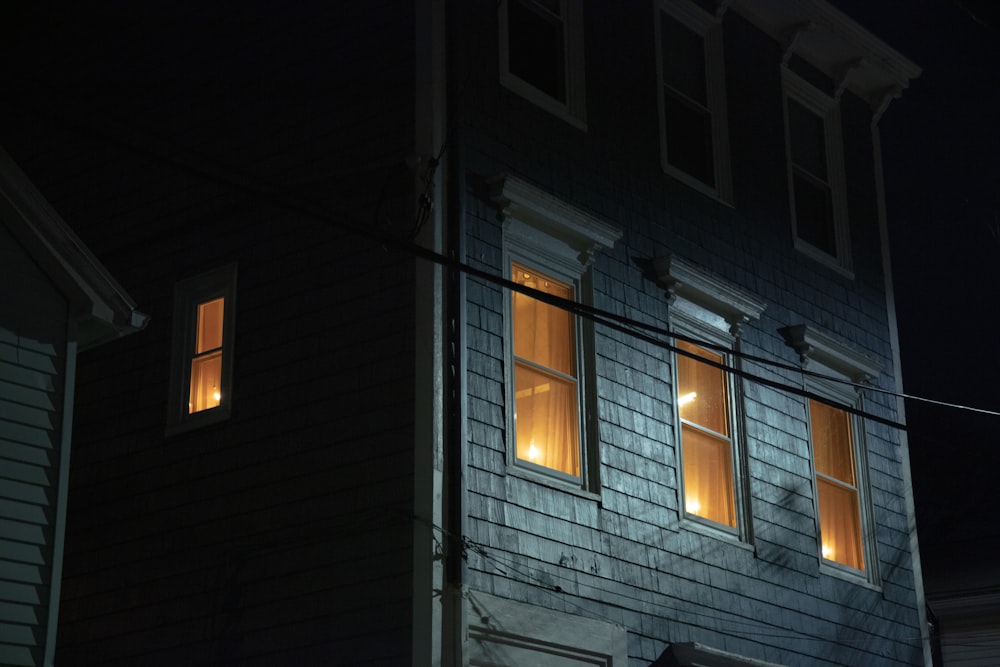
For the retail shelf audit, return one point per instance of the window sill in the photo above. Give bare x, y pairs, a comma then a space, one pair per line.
824, 258
848, 574
724, 198
565, 485
543, 100
199, 420
713, 530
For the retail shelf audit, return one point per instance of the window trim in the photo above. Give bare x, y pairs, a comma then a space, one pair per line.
561, 240
188, 294
827, 108
706, 307
574, 109
709, 27
829, 357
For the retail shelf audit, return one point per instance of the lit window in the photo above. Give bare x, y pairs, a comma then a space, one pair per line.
842, 493
816, 173
204, 315
541, 55
545, 377
549, 350
693, 129
703, 404
713, 492
206, 366
836, 485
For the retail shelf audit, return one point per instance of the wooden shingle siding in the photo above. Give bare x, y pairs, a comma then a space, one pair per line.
33, 328
625, 556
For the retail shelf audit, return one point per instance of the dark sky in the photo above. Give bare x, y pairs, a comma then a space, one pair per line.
941, 150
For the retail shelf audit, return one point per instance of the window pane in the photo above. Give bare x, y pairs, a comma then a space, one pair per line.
206, 379
209, 332
689, 138
708, 476
701, 390
832, 442
546, 419
536, 47
543, 334
808, 138
840, 524
814, 214
683, 60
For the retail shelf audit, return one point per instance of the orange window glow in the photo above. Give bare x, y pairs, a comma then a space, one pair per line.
206, 365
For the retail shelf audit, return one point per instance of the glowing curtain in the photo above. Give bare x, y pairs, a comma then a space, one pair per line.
545, 376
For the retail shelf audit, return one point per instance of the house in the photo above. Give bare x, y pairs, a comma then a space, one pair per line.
482, 333
56, 300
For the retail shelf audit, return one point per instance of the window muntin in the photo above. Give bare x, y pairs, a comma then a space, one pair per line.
693, 132
545, 375
541, 55
706, 441
837, 485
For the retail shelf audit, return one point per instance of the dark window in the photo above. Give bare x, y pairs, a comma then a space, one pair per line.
687, 119
537, 45
814, 221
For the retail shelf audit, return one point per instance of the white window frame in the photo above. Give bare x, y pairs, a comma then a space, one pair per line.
707, 308
562, 241
826, 356
188, 294
828, 110
574, 109
710, 29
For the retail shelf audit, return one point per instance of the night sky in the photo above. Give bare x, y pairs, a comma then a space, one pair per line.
941, 151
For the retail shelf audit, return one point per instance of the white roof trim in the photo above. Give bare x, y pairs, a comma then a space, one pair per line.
102, 307
834, 43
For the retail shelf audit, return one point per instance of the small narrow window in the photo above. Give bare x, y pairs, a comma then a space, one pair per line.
206, 366
204, 315
703, 404
546, 411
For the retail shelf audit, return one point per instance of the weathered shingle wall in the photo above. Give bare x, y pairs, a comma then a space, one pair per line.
625, 557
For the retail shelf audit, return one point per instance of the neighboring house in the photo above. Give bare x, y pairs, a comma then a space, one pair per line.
485, 333
55, 300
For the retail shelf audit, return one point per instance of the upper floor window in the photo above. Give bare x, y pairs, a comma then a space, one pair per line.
549, 246
816, 180
201, 373
713, 486
694, 137
541, 55
845, 537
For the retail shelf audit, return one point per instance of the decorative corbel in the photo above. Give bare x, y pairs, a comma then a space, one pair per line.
792, 39
844, 76
888, 95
